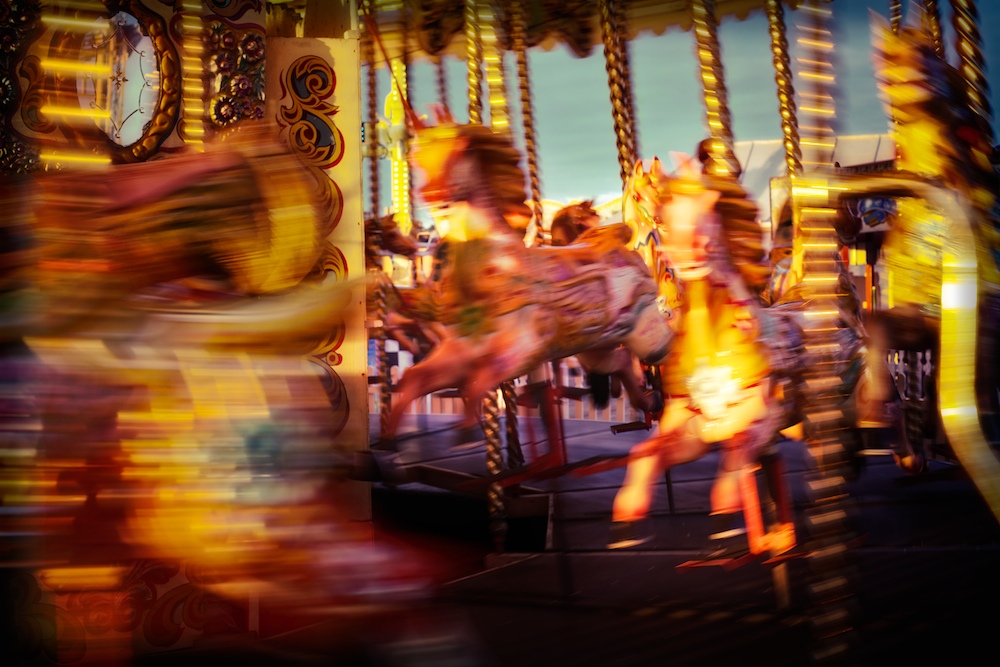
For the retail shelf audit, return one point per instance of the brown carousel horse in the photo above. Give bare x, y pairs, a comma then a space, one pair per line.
607, 372
509, 308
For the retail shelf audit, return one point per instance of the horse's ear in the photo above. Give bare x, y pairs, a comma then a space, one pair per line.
657, 166
637, 168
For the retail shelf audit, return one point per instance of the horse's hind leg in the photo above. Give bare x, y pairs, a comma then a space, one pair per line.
441, 369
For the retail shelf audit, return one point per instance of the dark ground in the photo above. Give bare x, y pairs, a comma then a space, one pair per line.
924, 582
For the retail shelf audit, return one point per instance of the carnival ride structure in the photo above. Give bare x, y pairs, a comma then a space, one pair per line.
948, 198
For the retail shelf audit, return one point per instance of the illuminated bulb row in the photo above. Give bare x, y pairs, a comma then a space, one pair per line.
75, 17
493, 62
400, 168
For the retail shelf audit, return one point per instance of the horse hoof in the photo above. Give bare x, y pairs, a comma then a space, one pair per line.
627, 534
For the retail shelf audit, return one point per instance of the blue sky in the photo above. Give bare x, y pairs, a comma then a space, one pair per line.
575, 132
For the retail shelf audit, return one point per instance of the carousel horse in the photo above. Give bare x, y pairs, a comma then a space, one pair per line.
607, 372
734, 373
510, 308
407, 318
166, 311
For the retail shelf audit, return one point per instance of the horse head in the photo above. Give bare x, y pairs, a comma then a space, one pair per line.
571, 221
470, 168
680, 208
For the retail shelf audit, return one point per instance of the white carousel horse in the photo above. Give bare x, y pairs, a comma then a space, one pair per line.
733, 376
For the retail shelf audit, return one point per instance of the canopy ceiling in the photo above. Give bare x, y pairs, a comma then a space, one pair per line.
438, 24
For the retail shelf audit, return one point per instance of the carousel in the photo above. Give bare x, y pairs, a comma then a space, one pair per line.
654, 417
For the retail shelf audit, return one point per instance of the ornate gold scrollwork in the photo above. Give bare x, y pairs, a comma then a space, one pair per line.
168, 103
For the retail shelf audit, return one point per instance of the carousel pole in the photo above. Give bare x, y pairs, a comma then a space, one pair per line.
491, 406
616, 85
474, 61
972, 65
895, 15
786, 91
500, 122
932, 23
621, 32
722, 161
518, 39
379, 297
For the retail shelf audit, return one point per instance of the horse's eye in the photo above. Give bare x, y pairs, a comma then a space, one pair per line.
635, 197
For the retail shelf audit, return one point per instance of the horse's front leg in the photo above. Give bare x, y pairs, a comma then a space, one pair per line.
739, 452
443, 368
677, 441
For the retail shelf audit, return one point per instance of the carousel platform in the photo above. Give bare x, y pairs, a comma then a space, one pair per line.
923, 586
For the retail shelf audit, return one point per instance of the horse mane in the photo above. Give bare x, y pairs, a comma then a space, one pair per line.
737, 218
496, 174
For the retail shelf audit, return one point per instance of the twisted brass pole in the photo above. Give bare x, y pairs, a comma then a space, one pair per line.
442, 83
619, 111
720, 128
496, 87
494, 466
515, 455
786, 91
931, 21
517, 26
381, 358
407, 20
474, 60
895, 15
972, 65
621, 30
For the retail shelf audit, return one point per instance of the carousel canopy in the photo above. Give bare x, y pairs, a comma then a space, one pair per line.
436, 27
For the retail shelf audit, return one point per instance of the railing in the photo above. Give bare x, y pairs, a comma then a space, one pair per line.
619, 409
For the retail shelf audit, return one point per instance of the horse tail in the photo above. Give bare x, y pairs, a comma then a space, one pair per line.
600, 388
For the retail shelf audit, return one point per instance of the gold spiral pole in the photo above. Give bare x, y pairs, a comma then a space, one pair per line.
931, 22
720, 129
192, 127
496, 87
368, 46
515, 455
619, 111
621, 30
441, 76
407, 19
491, 407
972, 66
518, 40
895, 15
786, 91
474, 59
379, 297
494, 466
493, 65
